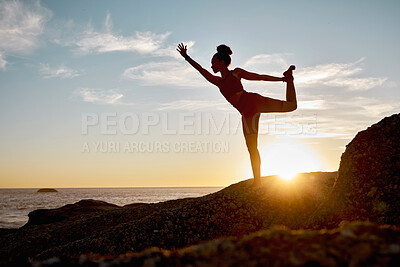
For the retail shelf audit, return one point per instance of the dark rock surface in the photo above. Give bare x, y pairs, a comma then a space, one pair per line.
44, 216
234, 211
353, 244
47, 190
368, 182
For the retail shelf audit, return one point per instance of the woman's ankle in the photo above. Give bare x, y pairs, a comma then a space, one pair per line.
288, 79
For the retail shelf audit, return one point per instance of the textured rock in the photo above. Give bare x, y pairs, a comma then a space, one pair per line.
234, 211
353, 244
368, 183
44, 216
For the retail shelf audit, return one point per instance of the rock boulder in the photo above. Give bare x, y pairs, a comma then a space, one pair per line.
44, 216
368, 183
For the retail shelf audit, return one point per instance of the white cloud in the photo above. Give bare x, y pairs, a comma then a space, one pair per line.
62, 72
332, 74
337, 117
20, 26
142, 42
343, 118
91, 41
99, 96
359, 108
175, 73
337, 75
267, 64
3, 62
374, 108
193, 105
328, 75
311, 104
356, 84
170, 51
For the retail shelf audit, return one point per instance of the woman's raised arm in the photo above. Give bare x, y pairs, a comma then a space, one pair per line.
182, 49
256, 77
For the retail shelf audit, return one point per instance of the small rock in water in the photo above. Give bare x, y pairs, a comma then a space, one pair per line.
47, 190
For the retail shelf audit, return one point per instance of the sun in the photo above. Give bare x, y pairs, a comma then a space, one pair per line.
287, 158
287, 174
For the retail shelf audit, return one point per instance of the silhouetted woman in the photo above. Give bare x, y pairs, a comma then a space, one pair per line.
250, 105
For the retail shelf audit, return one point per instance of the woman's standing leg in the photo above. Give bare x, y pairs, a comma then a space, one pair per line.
250, 131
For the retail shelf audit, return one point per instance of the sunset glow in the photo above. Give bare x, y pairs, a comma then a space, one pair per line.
287, 158
95, 94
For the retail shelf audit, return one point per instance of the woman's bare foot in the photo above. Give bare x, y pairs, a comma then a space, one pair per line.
289, 73
256, 182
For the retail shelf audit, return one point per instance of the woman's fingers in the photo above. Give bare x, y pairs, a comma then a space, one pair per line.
182, 49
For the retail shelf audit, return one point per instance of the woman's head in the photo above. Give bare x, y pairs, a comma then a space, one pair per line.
223, 55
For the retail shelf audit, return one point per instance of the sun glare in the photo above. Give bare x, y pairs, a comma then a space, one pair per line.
287, 174
288, 158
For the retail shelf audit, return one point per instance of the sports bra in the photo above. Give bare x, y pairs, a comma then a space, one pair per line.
231, 88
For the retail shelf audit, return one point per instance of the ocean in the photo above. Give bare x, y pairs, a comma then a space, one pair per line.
15, 204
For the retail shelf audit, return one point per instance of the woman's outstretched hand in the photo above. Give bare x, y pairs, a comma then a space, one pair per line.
182, 49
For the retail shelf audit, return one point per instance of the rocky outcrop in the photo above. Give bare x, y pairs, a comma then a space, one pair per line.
368, 182
234, 211
353, 244
44, 216
365, 188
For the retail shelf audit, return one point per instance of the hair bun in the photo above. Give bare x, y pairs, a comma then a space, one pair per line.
224, 49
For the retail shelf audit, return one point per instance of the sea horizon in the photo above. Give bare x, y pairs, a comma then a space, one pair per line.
117, 187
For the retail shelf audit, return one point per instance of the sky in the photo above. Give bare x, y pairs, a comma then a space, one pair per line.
94, 94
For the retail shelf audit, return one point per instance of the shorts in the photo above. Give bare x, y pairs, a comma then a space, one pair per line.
247, 105
250, 105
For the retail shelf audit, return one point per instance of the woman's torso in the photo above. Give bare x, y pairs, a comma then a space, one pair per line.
231, 88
